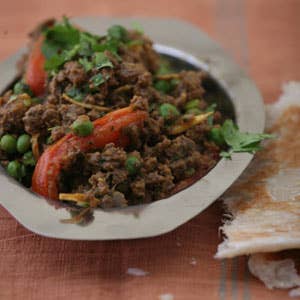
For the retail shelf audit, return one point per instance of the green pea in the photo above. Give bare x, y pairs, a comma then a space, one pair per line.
23, 143
163, 86
194, 111
132, 165
217, 136
192, 104
28, 159
15, 169
20, 88
8, 143
169, 111
82, 127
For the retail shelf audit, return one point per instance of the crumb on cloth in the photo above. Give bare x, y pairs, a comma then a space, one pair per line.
166, 297
136, 272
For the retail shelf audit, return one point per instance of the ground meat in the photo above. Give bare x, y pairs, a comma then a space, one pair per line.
190, 84
185, 167
149, 56
118, 176
138, 188
160, 182
72, 171
112, 157
115, 199
198, 133
158, 149
69, 113
129, 73
11, 116
152, 130
99, 185
41, 117
150, 164
133, 132
139, 103
144, 80
212, 151
180, 147
57, 133
96, 98
92, 161
74, 72
94, 114
142, 53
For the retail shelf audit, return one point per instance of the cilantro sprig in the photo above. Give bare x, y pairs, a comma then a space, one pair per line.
230, 135
64, 42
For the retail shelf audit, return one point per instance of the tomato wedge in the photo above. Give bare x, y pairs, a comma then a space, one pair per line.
107, 129
35, 74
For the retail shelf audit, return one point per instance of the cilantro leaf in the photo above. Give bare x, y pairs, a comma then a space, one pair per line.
117, 32
21, 87
63, 42
211, 108
137, 27
87, 41
63, 34
240, 141
60, 45
57, 60
226, 154
98, 79
76, 94
49, 49
110, 45
101, 61
87, 65
133, 43
54, 62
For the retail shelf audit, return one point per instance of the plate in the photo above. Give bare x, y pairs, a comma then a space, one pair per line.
183, 42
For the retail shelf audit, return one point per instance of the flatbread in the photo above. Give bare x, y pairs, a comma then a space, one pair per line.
277, 270
264, 204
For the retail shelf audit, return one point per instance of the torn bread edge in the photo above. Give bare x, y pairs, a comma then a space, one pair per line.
229, 249
275, 272
272, 271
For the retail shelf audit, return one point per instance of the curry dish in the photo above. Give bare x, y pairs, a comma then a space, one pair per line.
102, 121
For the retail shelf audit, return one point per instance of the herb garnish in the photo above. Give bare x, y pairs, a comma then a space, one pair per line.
99, 79
211, 108
101, 61
76, 94
118, 33
63, 42
87, 65
239, 141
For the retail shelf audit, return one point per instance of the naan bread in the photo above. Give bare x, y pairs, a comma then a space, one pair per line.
264, 204
275, 270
